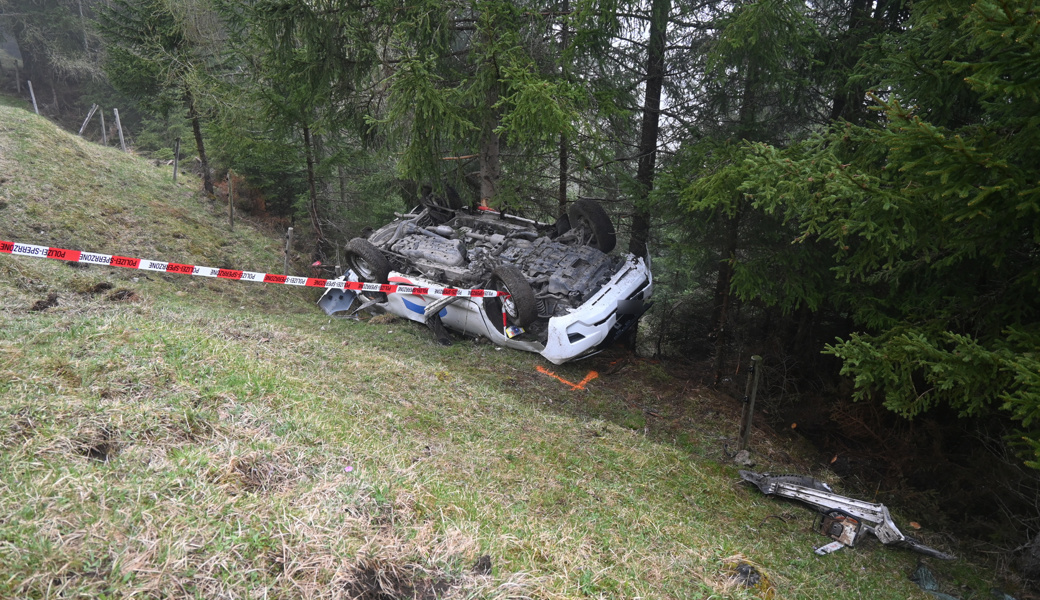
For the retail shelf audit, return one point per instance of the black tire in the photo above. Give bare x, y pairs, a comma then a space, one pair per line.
521, 307
452, 197
593, 224
563, 225
367, 261
441, 209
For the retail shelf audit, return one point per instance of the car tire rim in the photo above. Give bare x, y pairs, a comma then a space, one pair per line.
508, 305
585, 232
363, 269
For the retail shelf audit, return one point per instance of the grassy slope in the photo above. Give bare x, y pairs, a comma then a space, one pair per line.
214, 438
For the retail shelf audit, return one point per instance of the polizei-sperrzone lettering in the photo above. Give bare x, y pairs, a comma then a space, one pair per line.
59, 254
100, 259
29, 250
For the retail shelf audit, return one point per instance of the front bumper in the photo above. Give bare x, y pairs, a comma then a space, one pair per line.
601, 319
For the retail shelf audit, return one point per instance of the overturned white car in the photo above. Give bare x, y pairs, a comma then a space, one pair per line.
567, 297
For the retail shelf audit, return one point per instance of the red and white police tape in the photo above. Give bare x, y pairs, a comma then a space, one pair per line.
169, 267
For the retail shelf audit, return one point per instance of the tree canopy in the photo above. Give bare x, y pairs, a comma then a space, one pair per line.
932, 217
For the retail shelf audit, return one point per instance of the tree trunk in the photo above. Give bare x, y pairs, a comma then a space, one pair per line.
54, 95
723, 293
32, 68
565, 40
562, 193
490, 169
342, 184
196, 128
312, 190
747, 130
650, 128
83, 26
847, 102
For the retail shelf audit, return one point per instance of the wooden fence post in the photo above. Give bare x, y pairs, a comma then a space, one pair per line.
288, 248
748, 413
90, 113
104, 133
119, 127
33, 95
176, 158
231, 200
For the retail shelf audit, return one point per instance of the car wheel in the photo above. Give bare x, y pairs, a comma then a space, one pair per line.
367, 261
521, 307
593, 225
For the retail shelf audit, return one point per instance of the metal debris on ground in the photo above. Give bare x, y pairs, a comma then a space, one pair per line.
925, 579
844, 519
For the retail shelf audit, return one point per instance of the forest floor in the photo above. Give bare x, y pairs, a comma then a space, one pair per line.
167, 435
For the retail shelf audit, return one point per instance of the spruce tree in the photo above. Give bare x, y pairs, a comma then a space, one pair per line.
933, 218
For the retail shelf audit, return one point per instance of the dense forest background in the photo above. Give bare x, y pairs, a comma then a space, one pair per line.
849, 188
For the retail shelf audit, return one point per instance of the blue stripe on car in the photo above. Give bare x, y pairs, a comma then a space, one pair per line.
419, 308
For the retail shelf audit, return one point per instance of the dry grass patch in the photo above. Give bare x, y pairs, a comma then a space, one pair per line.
740, 572
20, 426
257, 472
98, 442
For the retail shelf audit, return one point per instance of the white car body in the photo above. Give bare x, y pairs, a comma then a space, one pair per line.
572, 336
585, 299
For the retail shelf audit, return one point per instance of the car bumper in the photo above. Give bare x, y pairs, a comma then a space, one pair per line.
618, 303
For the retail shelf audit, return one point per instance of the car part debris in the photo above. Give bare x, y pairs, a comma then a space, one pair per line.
842, 516
828, 548
334, 301
929, 583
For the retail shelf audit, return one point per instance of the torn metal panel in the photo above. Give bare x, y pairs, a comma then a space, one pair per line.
338, 300
841, 510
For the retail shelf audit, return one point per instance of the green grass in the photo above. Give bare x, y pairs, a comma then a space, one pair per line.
226, 439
